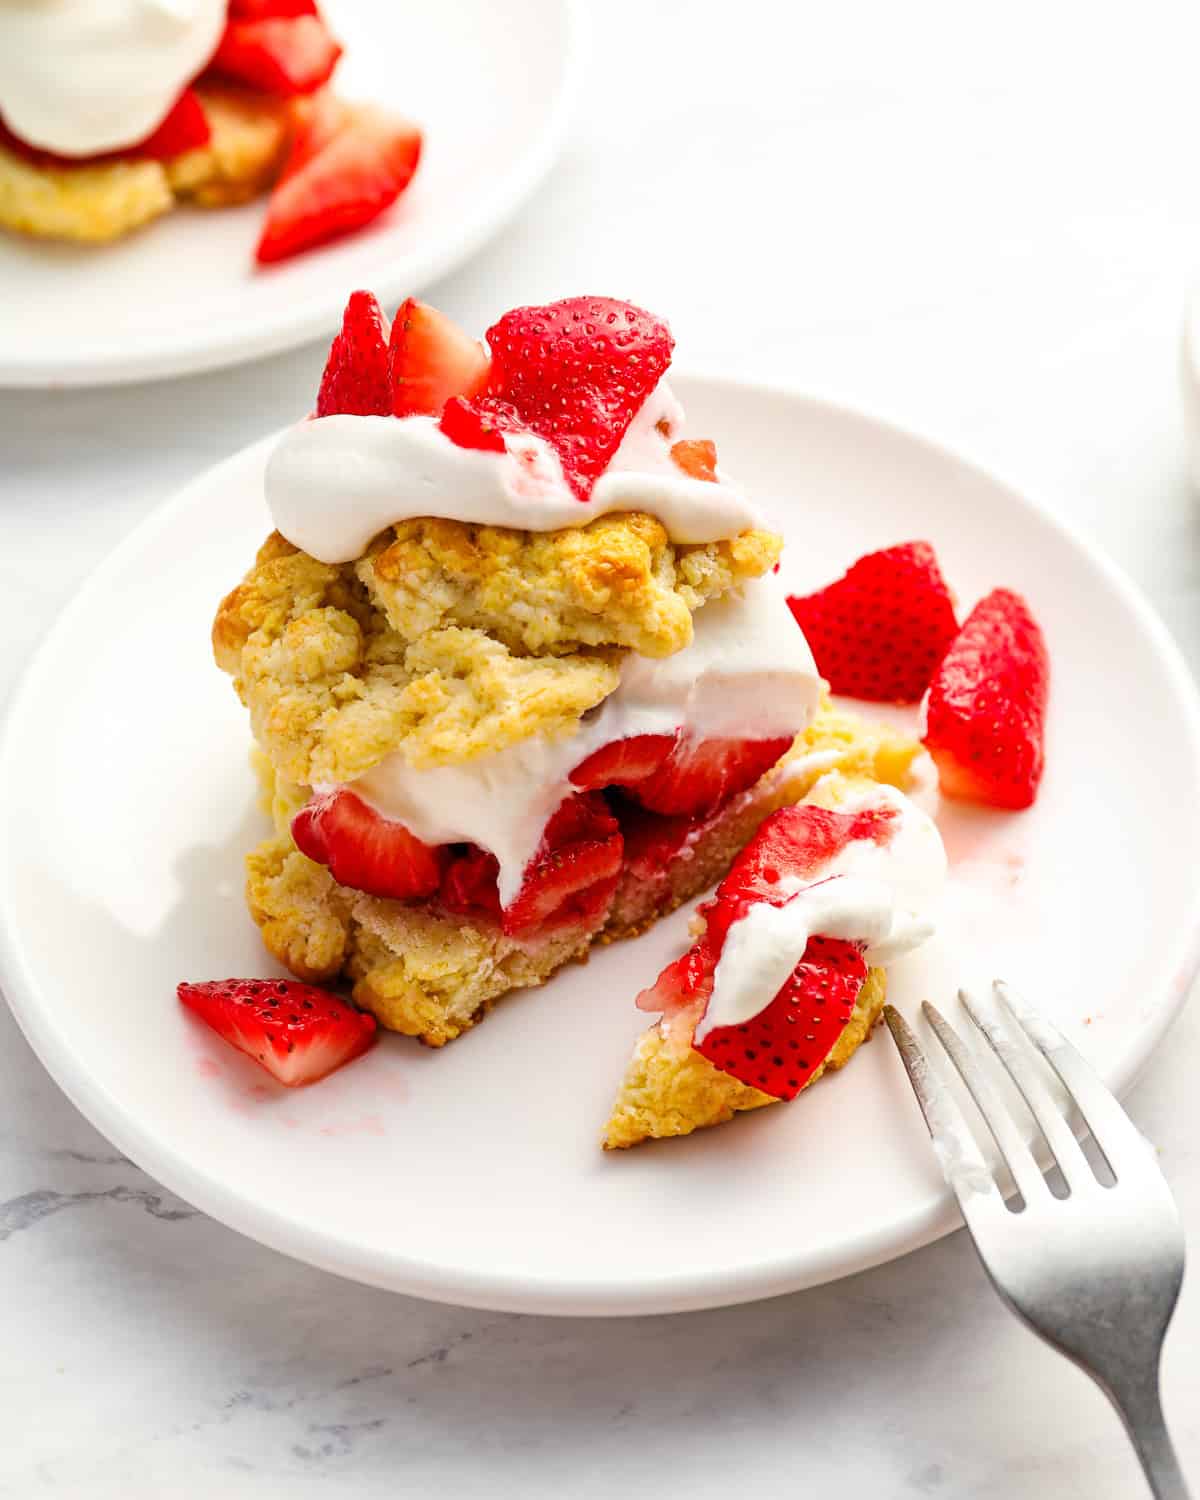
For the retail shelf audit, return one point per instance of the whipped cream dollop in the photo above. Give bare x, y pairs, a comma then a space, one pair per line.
80, 77
333, 483
881, 894
748, 674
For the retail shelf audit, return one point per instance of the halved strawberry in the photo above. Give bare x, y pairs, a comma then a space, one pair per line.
365, 850
277, 54
624, 762
698, 775
780, 1049
880, 631
297, 1032
362, 171
698, 460
576, 372
986, 713
185, 128
572, 876
432, 359
355, 380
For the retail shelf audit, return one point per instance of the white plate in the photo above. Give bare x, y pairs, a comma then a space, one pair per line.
491, 86
473, 1174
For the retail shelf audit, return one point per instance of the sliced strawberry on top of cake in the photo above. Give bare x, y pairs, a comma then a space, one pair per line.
785, 978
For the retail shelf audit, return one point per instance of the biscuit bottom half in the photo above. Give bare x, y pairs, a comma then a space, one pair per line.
433, 975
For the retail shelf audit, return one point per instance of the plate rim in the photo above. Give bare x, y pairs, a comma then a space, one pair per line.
754, 1279
109, 364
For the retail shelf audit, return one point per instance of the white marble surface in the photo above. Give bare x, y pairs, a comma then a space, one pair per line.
981, 222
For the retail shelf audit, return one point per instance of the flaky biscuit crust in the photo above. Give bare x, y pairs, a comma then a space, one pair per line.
619, 581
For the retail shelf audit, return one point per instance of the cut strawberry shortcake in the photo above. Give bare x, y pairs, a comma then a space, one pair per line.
519, 669
110, 114
786, 976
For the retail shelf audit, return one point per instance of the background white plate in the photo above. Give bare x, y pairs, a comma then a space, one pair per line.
489, 84
473, 1174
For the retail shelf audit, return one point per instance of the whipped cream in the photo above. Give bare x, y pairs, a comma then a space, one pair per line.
79, 77
748, 674
879, 894
333, 483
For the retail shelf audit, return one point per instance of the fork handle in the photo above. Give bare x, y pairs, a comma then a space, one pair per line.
1139, 1406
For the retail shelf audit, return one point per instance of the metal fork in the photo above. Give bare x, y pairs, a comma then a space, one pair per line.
1096, 1273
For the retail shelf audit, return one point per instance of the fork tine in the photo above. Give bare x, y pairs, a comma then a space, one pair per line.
960, 1159
1015, 1150
1051, 1122
1117, 1137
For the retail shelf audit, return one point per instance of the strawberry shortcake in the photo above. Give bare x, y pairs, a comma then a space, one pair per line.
519, 669
114, 111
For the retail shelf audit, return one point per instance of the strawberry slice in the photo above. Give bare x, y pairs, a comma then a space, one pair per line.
624, 762
698, 775
364, 850
571, 878
431, 360
780, 1049
185, 127
349, 182
298, 1032
277, 54
880, 631
317, 120
576, 372
356, 373
469, 427
986, 713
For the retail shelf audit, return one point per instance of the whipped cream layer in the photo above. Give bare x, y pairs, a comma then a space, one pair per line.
334, 483
748, 674
879, 894
79, 77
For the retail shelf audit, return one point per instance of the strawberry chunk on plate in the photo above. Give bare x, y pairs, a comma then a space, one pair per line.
355, 380
298, 1032
986, 714
365, 850
277, 54
879, 631
431, 359
360, 172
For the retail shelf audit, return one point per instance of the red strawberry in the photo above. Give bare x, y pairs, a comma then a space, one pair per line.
682, 983
365, 850
277, 54
780, 1049
986, 714
624, 762
698, 460
432, 359
572, 876
185, 128
576, 372
699, 775
880, 631
356, 373
297, 1032
464, 424
796, 842
349, 182
265, 10
318, 120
